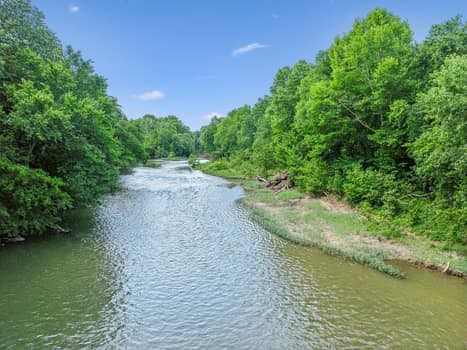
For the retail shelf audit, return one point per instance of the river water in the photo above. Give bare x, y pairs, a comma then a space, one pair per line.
173, 261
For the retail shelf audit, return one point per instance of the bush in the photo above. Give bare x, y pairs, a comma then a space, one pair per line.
290, 194
313, 176
370, 186
437, 222
31, 202
193, 160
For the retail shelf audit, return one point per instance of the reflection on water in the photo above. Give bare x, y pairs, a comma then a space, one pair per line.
173, 262
59, 290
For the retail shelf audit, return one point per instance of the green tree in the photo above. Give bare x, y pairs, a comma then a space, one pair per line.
281, 112
22, 26
62, 138
440, 151
207, 135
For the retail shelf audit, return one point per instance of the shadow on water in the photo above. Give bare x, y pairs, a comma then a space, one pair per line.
60, 290
172, 261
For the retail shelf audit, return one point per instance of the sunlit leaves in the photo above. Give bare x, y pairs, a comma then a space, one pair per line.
62, 138
441, 150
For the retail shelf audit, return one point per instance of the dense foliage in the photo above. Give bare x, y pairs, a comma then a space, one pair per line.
63, 140
165, 137
377, 119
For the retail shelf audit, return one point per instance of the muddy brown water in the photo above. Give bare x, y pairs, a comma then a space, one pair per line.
173, 261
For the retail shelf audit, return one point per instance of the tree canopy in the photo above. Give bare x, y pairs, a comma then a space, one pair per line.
63, 139
376, 118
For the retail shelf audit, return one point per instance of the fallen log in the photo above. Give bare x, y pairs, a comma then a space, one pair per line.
262, 179
279, 182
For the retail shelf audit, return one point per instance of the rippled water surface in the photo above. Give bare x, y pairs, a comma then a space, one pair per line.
174, 262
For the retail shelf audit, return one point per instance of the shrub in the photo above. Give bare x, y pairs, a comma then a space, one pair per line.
31, 202
312, 176
370, 186
193, 160
437, 222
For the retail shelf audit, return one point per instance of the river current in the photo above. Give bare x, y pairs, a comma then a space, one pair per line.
173, 261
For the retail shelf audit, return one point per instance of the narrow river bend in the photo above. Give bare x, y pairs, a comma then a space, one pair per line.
174, 262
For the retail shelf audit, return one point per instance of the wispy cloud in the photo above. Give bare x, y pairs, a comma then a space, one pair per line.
150, 95
73, 8
211, 116
248, 48
275, 16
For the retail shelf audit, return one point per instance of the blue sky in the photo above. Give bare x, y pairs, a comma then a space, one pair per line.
193, 58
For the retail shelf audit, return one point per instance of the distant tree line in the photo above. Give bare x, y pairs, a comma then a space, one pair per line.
63, 139
165, 137
377, 119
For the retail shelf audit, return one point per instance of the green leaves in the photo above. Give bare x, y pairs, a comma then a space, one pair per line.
164, 136
34, 120
22, 26
365, 122
30, 200
444, 39
440, 151
62, 138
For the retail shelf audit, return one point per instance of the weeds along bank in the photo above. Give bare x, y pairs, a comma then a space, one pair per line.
338, 229
377, 120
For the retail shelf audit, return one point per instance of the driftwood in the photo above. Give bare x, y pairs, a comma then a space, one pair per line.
446, 269
279, 182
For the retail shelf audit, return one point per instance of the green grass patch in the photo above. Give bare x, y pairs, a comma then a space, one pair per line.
263, 196
290, 216
342, 224
290, 194
251, 185
229, 174
222, 169
312, 222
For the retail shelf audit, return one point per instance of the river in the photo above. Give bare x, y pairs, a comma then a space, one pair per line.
173, 261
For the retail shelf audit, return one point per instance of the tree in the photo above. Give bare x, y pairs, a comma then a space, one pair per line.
281, 112
366, 121
165, 136
207, 135
22, 26
443, 40
62, 138
31, 202
440, 151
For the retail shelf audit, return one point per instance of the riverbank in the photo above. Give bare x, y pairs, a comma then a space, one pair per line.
337, 229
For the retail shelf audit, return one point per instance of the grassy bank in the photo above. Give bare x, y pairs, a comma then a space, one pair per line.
338, 229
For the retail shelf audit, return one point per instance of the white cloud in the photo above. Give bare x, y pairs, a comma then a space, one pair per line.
73, 8
210, 116
248, 48
151, 95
